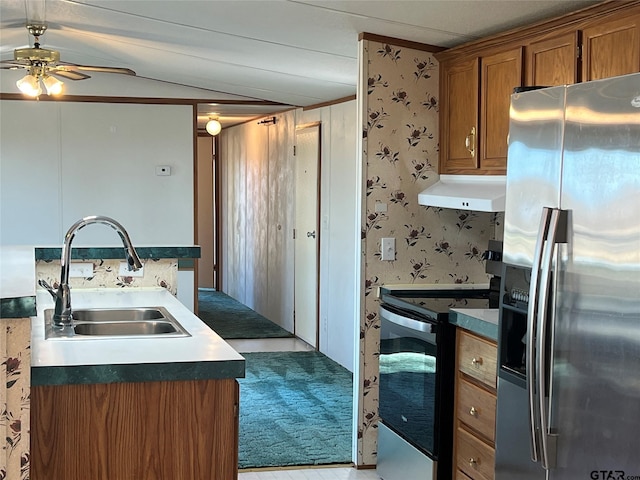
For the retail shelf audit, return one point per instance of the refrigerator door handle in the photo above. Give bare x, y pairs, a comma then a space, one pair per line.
556, 234
534, 414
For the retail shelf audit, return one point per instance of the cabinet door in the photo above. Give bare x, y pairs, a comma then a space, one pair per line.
611, 48
459, 117
500, 74
553, 61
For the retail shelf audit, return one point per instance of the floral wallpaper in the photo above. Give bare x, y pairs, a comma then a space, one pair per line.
157, 273
400, 159
15, 392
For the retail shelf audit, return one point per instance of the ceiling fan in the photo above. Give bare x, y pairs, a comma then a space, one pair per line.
43, 65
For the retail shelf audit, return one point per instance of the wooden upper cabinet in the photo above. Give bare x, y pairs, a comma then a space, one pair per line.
475, 120
478, 78
611, 48
553, 61
501, 73
459, 116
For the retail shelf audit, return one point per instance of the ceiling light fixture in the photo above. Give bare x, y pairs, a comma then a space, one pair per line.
52, 84
30, 83
213, 127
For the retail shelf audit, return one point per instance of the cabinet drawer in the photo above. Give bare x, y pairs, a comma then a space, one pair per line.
474, 457
460, 475
477, 358
477, 408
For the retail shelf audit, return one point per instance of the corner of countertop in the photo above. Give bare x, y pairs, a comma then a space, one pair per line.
483, 322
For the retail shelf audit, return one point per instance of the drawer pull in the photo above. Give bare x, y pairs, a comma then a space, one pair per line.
476, 361
473, 412
473, 462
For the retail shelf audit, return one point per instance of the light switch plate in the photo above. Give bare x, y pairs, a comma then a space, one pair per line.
388, 249
124, 271
381, 207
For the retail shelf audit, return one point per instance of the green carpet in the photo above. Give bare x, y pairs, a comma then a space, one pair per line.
295, 409
231, 319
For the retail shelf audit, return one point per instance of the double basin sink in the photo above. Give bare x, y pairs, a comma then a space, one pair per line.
116, 323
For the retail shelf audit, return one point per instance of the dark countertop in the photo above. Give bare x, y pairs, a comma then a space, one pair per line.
483, 322
90, 253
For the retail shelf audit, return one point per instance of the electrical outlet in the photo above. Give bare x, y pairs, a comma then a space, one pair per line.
80, 270
388, 249
124, 271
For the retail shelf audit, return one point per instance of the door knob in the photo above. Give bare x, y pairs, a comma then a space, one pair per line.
311, 234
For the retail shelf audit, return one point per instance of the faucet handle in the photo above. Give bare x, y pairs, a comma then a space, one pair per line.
49, 288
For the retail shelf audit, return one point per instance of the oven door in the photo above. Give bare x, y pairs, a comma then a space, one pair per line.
408, 376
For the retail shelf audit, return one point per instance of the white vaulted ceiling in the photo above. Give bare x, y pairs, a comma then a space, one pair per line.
294, 53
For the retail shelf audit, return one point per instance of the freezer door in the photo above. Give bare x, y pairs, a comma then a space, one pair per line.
595, 407
534, 165
513, 448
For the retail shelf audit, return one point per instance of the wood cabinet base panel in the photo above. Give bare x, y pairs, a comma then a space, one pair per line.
141, 431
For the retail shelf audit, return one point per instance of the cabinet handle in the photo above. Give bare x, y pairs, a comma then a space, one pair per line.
470, 142
473, 462
476, 361
473, 412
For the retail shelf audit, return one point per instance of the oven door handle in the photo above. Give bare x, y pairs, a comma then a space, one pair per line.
420, 326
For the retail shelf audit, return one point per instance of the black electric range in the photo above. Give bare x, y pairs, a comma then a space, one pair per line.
417, 355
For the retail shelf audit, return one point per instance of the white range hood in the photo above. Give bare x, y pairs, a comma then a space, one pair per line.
484, 193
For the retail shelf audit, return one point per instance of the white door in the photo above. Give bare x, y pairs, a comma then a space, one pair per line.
307, 234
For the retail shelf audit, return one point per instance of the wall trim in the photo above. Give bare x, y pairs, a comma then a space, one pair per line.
329, 103
152, 100
425, 47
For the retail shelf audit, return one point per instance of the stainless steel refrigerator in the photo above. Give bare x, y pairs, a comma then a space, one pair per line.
569, 342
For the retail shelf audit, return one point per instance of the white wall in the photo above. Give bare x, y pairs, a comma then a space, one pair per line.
339, 232
60, 161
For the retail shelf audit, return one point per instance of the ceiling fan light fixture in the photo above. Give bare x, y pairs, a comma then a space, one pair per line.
29, 85
213, 127
53, 85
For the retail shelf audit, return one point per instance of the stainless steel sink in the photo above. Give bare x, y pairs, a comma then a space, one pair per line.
117, 323
119, 315
148, 327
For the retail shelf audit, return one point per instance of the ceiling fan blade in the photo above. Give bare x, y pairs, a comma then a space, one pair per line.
68, 74
91, 68
12, 64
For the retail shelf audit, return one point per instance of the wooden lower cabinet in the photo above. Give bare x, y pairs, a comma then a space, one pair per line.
142, 431
460, 476
473, 456
475, 407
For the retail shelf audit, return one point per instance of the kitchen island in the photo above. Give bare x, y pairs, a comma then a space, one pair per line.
133, 408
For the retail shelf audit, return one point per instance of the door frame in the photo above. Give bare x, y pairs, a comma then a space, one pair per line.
216, 210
